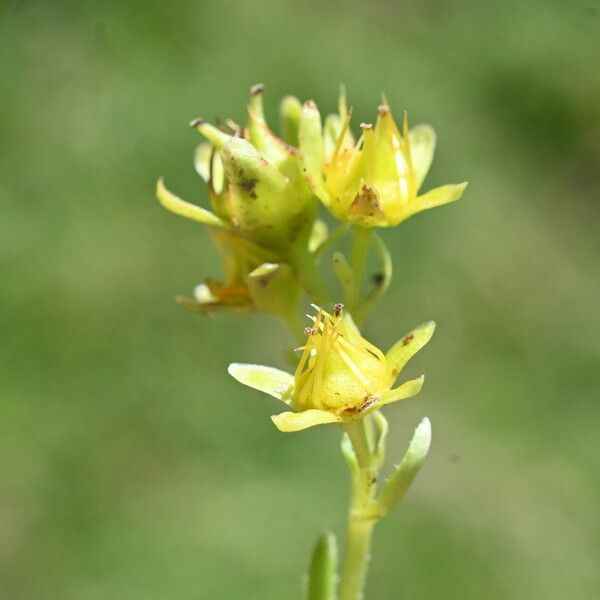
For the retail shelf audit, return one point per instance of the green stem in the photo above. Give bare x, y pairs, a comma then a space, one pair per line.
310, 279
359, 251
360, 518
381, 283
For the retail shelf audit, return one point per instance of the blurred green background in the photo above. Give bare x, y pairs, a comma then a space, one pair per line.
131, 465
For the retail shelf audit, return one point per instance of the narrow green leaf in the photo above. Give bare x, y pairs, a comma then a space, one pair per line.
322, 578
381, 431
397, 485
350, 456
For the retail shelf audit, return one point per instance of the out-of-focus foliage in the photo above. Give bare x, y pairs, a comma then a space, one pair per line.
131, 465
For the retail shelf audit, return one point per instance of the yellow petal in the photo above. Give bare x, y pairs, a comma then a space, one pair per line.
407, 390
438, 196
291, 421
403, 350
180, 207
311, 149
422, 145
274, 382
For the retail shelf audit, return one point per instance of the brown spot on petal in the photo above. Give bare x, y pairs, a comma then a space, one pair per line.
378, 279
257, 88
408, 339
366, 206
337, 309
248, 184
383, 110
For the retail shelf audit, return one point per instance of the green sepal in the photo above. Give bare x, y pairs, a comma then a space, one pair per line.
397, 485
323, 577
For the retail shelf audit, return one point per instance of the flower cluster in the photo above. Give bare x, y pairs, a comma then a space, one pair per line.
264, 192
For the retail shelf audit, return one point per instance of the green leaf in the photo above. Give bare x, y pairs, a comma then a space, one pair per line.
350, 456
397, 485
381, 431
322, 578
381, 279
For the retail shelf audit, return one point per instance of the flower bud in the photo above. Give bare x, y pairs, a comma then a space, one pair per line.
262, 208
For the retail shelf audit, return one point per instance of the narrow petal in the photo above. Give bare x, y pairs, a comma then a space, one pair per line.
215, 136
407, 390
291, 421
311, 149
318, 235
290, 110
202, 158
403, 350
438, 196
422, 145
274, 382
180, 207
275, 150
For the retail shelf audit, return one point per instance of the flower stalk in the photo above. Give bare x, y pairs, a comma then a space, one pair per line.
361, 521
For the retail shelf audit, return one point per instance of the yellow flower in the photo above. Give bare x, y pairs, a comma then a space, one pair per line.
340, 377
375, 181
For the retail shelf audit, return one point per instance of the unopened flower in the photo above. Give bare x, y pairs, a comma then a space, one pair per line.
373, 182
340, 377
262, 209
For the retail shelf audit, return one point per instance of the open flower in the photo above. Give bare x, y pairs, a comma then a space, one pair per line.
340, 377
375, 181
